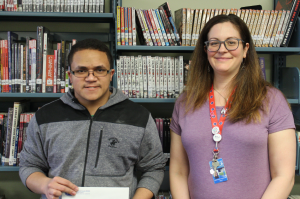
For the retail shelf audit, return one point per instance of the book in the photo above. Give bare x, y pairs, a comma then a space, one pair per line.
262, 66
11, 39
49, 73
294, 7
118, 26
180, 23
8, 136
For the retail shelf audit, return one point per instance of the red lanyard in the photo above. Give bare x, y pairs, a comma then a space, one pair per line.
217, 126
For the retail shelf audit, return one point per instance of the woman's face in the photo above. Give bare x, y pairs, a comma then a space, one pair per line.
223, 61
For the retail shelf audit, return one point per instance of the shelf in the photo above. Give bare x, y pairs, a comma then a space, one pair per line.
31, 95
260, 50
9, 168
56, 17
153, 100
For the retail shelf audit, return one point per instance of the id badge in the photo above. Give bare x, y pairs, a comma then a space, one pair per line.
219, 175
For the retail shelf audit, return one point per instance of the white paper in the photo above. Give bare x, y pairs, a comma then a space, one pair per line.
99, 193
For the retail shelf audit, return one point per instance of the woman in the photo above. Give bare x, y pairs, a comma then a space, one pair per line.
232, 133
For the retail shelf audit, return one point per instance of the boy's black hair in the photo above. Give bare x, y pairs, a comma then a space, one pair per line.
92, 44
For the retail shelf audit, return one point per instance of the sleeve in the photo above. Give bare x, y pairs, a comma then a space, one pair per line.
152, 160
174, 126
32, 157
281, 116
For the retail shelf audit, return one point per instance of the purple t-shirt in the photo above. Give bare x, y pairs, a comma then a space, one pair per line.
243, 148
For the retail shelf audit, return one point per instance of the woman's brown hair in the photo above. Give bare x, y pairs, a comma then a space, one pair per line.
251, 88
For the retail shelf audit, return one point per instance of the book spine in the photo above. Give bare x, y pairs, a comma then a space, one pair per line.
49, 73
27, 64
62, 67
176, 77
126, 92
13, 133
118, 26
153, 94
165, 69
172, 23
126, 25
146, 27
39, 59
129, 27
129, 76
33, 66
168, 27
145, 77
133, 86
160, 35
137, 77
55, 72
102, 6
291, 24
262, 66
122, 27
122, 84
13, 62
161, 77
198, 26
119, 74
203, 20
195, 27
157, 76
133, 27
58, 79
140, 77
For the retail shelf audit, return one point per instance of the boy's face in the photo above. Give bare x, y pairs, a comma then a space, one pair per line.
91, 89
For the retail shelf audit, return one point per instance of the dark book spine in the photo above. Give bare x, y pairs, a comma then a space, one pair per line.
140, 29
27, 68
58, 84
8, 135
39, 58
162, 15
62, 66
4, 133
291, 24
24, 69
12, 67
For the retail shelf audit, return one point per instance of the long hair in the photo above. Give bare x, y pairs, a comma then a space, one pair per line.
250, 86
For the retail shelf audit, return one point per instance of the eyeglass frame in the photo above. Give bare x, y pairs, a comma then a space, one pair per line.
220, 42
73, 73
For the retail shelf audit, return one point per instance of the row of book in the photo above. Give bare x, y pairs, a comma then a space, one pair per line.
75, 6
151, 77
32, 65
155, 27
164, 195
13, 126
267, 27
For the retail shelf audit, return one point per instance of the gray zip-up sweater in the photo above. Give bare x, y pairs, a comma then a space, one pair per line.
105, 150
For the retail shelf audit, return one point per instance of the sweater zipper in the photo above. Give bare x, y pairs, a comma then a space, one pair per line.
87, 150
99, 146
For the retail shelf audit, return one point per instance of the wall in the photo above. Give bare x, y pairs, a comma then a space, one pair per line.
10, 185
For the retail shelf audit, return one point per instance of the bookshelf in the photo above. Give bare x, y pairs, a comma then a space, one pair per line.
62, 21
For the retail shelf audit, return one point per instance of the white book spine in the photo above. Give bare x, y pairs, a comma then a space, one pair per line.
51, 5
72, 5
161, 77
86, 5
133, 26
93, 6
97, 6
176, 81
21, 75
119, 74
62, 5
181, 83
90, 9
44, 62
102, 8
165, 68
149, 72
145, 76
122, 74
133, 89
169, 71
153, 77
172, 70
137, 77
81, 5
126, 76
13, 133
284, 27
55, 72
33, 66
157, 75
141, 80
129, 76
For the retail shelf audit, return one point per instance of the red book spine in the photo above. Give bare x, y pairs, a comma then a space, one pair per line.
49, 73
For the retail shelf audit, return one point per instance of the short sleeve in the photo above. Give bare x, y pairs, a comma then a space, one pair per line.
174, 126
281, 117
